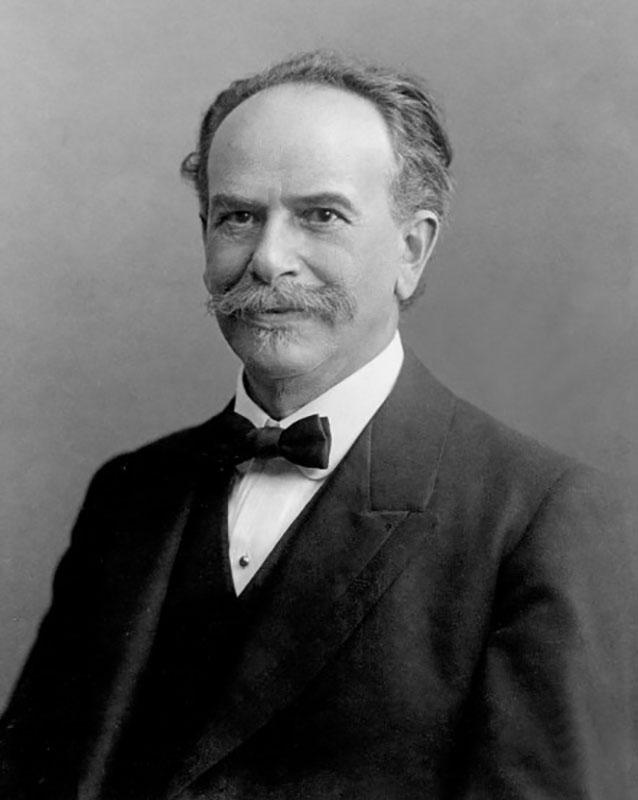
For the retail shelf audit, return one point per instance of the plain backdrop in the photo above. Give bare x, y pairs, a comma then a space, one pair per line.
533, 296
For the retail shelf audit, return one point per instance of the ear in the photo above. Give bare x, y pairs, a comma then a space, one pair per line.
207, 278
207, 281
419, 237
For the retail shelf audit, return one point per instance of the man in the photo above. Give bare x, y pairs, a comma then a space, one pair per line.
350, 583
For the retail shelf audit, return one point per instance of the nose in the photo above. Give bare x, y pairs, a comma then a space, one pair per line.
276, 251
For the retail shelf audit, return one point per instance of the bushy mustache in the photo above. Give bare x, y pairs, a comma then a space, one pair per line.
331, 303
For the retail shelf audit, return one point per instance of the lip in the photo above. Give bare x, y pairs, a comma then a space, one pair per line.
280, 315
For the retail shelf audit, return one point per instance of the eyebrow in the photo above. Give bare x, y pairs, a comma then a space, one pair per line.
233, 201
319, 199
325, 199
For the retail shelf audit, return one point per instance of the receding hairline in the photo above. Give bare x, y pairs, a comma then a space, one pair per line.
394, 162
310, 87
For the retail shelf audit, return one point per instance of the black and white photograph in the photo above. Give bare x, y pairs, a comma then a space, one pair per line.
319, 429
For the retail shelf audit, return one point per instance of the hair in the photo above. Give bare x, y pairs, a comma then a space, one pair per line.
420, 142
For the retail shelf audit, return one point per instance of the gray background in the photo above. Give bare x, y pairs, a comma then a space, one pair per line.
531, 309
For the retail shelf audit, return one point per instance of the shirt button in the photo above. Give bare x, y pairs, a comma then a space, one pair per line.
244, 560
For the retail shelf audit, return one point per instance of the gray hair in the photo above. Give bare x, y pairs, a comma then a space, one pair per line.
419, 140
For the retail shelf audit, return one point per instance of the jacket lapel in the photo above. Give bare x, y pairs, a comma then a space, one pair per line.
138, 588
352, 541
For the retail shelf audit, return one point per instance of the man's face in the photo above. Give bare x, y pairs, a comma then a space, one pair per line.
300, 230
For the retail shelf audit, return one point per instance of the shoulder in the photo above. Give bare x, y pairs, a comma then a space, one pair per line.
475, 447
495, 478
486, 449
481, 444
526, 497
161, 460
474, 441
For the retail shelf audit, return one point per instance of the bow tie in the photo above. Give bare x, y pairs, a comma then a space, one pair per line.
305, 442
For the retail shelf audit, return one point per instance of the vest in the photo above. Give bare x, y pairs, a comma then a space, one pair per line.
199, 637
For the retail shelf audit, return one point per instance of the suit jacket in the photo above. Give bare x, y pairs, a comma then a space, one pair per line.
454, 618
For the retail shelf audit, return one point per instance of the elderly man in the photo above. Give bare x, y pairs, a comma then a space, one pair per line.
350, 583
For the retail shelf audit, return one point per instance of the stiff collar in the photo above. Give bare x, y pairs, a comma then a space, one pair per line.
349, 405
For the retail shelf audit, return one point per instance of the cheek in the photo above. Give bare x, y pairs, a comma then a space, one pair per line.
375, 266
343, 258
224, 261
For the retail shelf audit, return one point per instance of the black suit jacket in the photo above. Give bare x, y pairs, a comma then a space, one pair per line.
455, 617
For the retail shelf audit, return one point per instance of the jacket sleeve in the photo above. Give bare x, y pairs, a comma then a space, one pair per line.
35, 759
556, 707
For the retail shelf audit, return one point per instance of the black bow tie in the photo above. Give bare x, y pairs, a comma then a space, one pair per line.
305, 442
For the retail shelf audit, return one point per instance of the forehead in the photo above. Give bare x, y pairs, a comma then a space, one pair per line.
301, 134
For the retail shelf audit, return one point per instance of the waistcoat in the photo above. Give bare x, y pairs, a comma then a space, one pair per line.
199, 638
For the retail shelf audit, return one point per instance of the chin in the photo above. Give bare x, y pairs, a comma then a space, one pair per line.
277, 351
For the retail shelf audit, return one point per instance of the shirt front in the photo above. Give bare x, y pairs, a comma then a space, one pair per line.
268, 494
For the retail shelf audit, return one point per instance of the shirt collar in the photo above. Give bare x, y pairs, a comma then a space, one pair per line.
349, 405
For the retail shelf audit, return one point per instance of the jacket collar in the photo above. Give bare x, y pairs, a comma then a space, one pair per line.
408, 438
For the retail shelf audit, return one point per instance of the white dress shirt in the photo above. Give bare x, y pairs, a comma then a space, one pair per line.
268, 494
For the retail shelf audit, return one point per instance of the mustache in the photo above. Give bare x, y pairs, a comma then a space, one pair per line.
330, 302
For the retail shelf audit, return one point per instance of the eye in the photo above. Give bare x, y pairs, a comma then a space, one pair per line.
322, 216
235, 219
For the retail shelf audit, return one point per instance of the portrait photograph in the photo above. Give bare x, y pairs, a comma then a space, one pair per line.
319, 431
